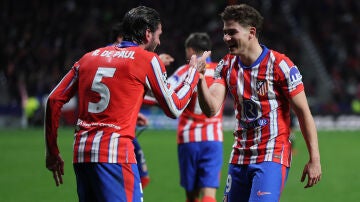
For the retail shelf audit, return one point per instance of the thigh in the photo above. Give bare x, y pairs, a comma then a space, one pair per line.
187, 157
268, 181
238, 184
105, 182
209, 164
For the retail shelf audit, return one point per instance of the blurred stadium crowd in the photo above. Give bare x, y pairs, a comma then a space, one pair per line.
41, 39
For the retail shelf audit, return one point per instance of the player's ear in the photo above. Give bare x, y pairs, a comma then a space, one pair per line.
252, 32
148, 35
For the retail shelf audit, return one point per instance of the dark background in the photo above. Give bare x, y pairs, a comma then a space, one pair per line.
41, 39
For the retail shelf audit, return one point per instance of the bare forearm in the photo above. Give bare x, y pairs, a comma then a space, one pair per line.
308, 129
209, 103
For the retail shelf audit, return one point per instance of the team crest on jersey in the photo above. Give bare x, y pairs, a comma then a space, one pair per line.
262, 87
295, 76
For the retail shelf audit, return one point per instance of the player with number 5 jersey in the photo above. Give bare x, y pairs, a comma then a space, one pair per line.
110, 83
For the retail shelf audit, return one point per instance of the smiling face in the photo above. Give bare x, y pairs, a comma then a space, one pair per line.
237, 37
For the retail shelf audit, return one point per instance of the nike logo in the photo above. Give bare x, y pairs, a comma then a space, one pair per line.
261, 193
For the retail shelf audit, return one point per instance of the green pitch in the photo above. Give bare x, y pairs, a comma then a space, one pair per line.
23, 176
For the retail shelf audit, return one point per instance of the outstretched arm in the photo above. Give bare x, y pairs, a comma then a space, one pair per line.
174, 101
307, 125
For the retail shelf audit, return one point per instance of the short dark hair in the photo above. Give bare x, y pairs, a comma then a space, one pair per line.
245, 15
199, 41
116, 31
137, 21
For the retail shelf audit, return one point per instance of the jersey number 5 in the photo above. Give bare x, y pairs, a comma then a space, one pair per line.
102, 89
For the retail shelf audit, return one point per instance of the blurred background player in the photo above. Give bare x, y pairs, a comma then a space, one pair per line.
199, 138
110, 83
264, 85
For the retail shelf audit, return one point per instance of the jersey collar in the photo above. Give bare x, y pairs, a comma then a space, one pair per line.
258, 60
125, 44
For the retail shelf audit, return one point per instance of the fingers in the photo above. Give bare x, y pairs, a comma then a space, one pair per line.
205, 55
303, 176
314, 176
166, 59
192, 61
312, 181
56, 166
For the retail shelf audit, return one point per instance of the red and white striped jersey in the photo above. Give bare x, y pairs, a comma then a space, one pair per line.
111, 83
261, 95
193, 125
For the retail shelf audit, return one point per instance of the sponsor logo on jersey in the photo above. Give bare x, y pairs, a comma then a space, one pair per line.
295, 76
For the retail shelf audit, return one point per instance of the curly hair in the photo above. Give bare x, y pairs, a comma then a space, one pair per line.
245, 15
137, 21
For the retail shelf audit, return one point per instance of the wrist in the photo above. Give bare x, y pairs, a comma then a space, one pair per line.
201, 76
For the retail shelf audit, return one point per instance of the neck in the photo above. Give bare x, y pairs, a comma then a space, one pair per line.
252, 54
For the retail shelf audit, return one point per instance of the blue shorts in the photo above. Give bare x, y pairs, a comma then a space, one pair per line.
140, 158
108, 182
255, 182
200, 164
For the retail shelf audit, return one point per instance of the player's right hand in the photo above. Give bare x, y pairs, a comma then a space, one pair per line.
166, 59
56, 165
200, 62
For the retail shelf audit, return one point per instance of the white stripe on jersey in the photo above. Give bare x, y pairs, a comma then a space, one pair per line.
210, 132
286, 70
82, 143
209, 72
272, 114
255, 99
167, 92
95, 147
240, 89
243, 145
219, 130
113, 147
197, 132
186, 130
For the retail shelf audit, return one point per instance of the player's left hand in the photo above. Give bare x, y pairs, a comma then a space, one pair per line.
142, 120
313, 171
56, 165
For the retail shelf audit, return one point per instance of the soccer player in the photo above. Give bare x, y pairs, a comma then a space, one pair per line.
199, 138
116, 37
110, 83
264, 85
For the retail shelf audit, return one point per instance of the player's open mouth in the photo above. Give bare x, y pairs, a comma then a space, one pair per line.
232, 47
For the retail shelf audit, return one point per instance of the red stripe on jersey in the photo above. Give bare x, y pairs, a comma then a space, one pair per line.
76, 148
261, 94
112, 112
193, 125
87, 150
262, 76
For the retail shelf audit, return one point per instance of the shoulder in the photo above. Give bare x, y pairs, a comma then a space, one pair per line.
280, 59
225, 63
